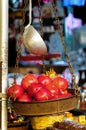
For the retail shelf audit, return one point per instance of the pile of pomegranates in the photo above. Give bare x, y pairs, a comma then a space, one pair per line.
39, 88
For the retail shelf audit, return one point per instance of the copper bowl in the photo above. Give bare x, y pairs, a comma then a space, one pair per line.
46, 107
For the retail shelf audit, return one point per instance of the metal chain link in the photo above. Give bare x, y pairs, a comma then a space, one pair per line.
40, 19
77, 91
41, 31
20, 40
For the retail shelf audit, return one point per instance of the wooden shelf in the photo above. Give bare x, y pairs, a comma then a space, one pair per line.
30, 57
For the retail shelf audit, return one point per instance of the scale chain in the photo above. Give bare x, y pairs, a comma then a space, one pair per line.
77, 91
20, 40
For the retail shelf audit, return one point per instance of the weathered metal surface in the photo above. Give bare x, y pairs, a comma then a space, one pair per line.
3, 60
46, 107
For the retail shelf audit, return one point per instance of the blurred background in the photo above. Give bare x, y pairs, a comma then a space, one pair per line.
72, 20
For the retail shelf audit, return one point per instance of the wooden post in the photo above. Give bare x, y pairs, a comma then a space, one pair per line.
4, 60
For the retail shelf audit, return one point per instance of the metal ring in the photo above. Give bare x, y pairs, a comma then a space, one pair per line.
77, 92
3, 95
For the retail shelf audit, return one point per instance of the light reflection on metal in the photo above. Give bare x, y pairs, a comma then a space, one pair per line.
33, 42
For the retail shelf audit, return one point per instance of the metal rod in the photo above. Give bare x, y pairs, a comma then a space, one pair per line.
4, 59
30, 13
